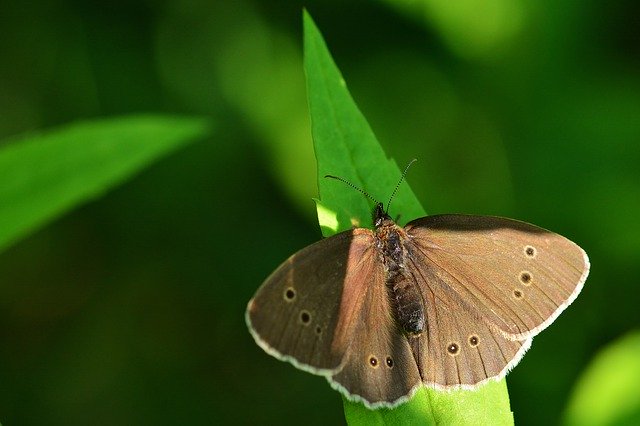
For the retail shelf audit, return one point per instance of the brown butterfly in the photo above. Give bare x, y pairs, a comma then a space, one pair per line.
447, 302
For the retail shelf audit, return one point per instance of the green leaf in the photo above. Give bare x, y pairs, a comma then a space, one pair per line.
45, 175
607, 393
345, 146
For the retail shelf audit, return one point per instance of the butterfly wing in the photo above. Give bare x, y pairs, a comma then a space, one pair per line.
305, 312
379, 369
457, 349
513, 276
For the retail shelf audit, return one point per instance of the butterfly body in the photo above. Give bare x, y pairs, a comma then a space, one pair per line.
447, 302
407, 301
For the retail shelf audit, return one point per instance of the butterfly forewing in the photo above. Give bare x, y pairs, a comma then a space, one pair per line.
514, 276
304, 311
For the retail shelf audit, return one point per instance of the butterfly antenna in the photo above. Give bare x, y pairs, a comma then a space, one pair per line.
360, 190
393, 194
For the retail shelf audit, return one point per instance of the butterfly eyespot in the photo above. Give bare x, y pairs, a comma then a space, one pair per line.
530, 251
525, 277
373, 361
389, 362
453, 348
305, 317
289, 294
474, 341
517, 294
318, 330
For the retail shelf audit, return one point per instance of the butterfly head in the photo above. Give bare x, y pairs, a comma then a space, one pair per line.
379, 215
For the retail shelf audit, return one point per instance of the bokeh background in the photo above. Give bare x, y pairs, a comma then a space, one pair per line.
130, 309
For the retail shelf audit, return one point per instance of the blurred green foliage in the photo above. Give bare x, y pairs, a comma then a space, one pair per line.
608, 391
129, 310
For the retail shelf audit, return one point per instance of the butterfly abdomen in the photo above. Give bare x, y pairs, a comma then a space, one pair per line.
409, 311
406, 298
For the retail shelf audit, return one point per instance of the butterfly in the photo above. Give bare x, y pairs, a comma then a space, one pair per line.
446, 302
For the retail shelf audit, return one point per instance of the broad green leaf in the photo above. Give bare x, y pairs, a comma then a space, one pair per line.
608, 391
345, 146
44, 175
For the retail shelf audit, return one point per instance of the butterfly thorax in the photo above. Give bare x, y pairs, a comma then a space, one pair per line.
403, 291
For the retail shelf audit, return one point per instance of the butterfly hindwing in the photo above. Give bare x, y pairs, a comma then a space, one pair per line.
457, 349
379, 368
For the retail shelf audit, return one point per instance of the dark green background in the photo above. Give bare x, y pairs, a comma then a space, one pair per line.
130, 309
